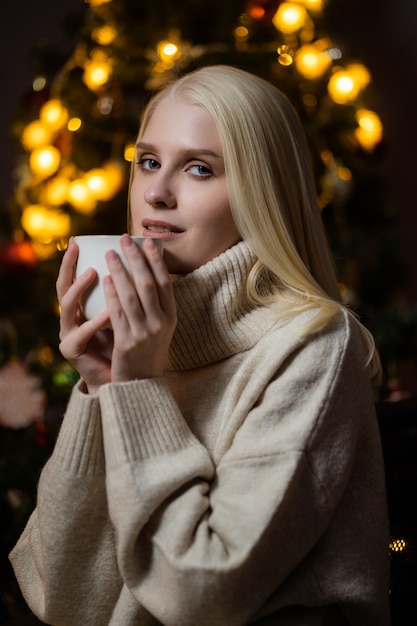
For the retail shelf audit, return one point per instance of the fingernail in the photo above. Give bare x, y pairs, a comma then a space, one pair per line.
150, 244
127, 241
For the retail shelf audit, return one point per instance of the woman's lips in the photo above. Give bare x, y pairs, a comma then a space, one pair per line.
161, 230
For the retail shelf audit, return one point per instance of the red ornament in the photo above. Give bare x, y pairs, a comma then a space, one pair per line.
262, 9
18, 257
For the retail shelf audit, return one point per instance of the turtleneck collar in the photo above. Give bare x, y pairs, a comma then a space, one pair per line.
215, 320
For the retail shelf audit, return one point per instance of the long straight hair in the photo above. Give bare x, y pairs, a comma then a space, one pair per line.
272, 191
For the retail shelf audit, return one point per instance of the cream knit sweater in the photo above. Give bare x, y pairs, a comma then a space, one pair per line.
244, 487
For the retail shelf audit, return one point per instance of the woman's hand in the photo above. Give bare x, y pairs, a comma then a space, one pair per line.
142, 311
85, 344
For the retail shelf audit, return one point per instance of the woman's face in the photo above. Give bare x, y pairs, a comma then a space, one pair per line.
179, 191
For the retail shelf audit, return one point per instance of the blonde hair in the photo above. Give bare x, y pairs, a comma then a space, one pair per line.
272, 190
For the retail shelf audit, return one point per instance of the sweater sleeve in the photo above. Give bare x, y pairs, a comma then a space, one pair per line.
55, 559
196, 537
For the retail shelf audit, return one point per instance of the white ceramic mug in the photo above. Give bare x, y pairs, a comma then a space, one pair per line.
92, 250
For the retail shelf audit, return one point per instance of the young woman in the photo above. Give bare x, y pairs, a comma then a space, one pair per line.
219, 462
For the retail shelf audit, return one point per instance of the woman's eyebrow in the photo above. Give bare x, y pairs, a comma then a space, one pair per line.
186, 152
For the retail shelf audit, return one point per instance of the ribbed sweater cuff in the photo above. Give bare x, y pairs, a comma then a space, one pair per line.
141, 420
79, 447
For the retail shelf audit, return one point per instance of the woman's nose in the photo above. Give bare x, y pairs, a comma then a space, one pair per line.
159, 194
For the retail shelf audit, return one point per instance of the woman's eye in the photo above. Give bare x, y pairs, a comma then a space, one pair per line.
148, 164
200, 170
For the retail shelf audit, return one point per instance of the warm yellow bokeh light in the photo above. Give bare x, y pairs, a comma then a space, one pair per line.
104, 35
168, 51
315, 6
129, 152
74, 124
289, 17
342, 88
55, 191
241, 32
96, 3
101, 184
54, 114
311, 62
97, 70
345, 85
44, 224
45, 161
370, 129
80, 196
115, 175
360, 74
35, 135
285, 56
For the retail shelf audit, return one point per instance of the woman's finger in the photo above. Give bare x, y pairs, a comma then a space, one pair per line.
162, 278
150, 276
67, 270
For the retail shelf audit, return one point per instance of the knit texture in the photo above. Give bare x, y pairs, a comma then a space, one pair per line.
246, 486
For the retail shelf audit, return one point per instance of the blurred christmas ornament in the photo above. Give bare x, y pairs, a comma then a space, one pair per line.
22, 400
18, 257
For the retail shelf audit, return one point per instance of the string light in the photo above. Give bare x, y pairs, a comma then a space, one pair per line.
241, 33
345, 85
97, 3
44, 224
285, 56
54, 114
289, 17
83, 190
97, 70
104, 35
74, 124
316, 6
55, 191
256, 12
129, 152
312, 62
398, 545
35, 135
370, 129
45, 161
80, 196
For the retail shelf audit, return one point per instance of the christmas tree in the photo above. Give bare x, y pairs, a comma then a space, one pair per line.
77, 129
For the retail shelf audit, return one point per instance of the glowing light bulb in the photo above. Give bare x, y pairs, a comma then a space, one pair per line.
97, 3
80, 196
311, 62
97, 70
99, 181
256, 12
36, 134
370, 129
115, 176
168, 51
45, 161
74, 124
44, 224
313, 5
285, 56
289, 17
241, 32
345, 84
55, 191
104, 35
54, 114
129, 152
342, 88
